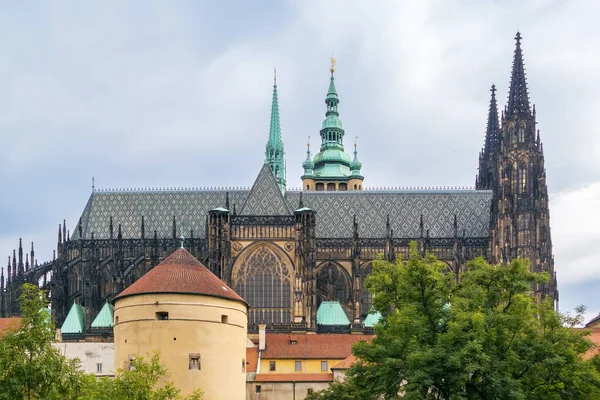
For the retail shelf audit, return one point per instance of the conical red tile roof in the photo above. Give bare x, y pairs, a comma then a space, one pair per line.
181, 272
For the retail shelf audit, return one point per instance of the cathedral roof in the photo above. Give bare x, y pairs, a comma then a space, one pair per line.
335, 211
265, 198
181, 272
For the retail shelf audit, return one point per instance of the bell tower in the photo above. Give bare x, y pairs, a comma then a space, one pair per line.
520, 215
332, 169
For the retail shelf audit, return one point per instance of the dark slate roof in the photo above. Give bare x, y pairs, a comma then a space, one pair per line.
265, 198
158, 208
335, 210
181, 272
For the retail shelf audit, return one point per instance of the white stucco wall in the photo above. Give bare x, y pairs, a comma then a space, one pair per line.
90, 355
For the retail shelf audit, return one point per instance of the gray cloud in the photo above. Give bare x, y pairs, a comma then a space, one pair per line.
148, 94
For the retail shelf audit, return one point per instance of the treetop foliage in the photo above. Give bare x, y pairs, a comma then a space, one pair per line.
482, 336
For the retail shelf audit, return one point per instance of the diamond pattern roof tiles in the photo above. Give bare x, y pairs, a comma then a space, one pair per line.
335, 210
265, 198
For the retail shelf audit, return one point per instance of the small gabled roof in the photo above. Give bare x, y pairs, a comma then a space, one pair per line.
265, 198
372, 319
331, 313
104, 319
75, 321
181, 272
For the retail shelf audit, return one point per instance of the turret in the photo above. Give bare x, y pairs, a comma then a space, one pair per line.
514, 170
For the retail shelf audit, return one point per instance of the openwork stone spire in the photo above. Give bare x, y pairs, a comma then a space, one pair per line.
493, 127
274, 154
518, 97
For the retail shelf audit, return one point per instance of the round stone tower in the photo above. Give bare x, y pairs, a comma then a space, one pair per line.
196, 321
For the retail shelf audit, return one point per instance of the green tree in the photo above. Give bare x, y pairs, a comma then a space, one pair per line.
483, 337
30, 367
143, 381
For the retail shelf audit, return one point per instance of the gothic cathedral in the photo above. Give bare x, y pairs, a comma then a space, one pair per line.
285, 252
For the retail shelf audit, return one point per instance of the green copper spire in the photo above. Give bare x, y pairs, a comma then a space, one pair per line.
356, 165
274, 154
332, 162
308, 165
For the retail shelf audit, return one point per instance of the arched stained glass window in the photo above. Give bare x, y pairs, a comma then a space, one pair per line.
333, 284
264, 281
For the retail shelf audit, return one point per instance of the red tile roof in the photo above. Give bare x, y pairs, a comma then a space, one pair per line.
323, 346
251, 359
346, 363
9, 323
298, 377
181, 272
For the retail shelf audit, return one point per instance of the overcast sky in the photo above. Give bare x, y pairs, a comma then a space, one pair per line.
153, 94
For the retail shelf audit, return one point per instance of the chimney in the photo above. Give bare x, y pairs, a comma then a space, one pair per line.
262, 328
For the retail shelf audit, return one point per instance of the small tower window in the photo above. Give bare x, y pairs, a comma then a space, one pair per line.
307, 187
194, 361
162, 316
320, 187
343, 187
331, 187
272, 366
224, 319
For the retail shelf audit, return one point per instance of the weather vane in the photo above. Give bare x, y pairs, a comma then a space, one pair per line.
332, 64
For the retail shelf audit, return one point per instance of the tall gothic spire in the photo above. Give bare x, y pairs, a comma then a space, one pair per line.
518, 97
493, 127
274, 153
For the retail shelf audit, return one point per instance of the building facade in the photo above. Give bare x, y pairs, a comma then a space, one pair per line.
286, 251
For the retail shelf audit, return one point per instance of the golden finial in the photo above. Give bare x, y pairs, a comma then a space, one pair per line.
332, 64
355, 139
308, 142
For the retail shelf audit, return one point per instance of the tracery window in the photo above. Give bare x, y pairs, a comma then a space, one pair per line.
333, 284
521, 134
264, 281
522, 179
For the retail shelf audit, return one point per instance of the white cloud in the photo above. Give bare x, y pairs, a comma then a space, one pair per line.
575, 219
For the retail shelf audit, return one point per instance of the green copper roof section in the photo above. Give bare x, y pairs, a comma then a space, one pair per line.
308, 164
332, 91
75, 321
331, 313
331, 162
274, 153
372, 319
104, 319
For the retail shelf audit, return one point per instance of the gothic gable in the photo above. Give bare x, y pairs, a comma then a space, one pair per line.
265, 198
